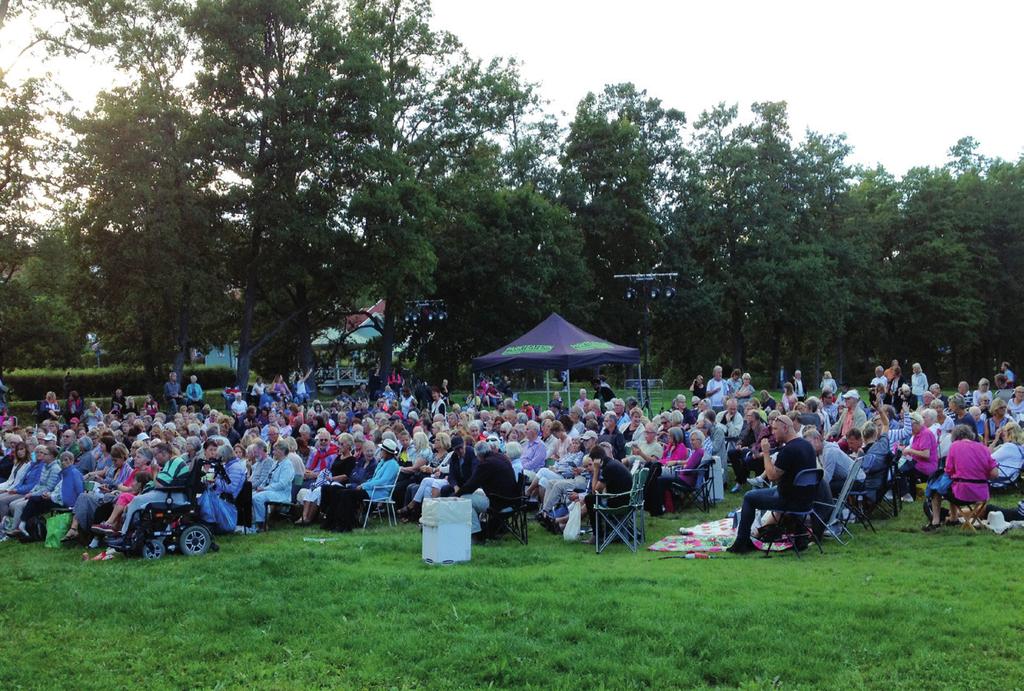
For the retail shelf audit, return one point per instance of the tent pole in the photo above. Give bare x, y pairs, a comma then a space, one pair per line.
473, 392
547, 386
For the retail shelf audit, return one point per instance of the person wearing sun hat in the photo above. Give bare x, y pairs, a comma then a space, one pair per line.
377, 488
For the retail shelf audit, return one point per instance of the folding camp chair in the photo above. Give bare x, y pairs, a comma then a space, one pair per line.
840, 514
625, 521
799, 519
865, 498
381, 507
512, 518
700, 494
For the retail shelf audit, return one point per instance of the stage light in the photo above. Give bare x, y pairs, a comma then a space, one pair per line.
630, 294
670, 293
655, 292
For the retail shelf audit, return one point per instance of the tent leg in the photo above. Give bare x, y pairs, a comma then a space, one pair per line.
473, 392
547, 386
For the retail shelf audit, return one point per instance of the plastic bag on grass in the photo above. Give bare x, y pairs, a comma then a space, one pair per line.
572, 526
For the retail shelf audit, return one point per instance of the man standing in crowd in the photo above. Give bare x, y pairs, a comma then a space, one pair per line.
172, 392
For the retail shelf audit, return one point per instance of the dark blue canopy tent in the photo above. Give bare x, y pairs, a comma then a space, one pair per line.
555, 344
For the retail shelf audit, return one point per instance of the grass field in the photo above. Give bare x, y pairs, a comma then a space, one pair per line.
897, 609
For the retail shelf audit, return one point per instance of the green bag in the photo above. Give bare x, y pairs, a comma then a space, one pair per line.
56, 527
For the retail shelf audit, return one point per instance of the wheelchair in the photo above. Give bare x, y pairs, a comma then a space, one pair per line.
167, 527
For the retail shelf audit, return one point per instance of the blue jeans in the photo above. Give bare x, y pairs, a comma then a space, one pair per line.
764, 499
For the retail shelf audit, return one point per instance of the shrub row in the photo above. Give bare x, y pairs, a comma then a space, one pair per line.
100, 382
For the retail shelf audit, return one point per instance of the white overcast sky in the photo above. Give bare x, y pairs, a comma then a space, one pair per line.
903, 79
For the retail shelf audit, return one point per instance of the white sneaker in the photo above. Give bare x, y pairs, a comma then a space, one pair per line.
997, 523
757, 482
908, 499
888, 496
94, 543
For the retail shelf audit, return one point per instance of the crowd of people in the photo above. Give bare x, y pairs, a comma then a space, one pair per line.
275, 448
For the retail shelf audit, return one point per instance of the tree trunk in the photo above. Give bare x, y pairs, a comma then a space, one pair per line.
184, 318
737, 337
303, 332
387, 340
245, 341
840, 358
817, 362
148, 359
776, 343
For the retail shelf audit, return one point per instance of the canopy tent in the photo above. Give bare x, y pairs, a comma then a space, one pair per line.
555, 344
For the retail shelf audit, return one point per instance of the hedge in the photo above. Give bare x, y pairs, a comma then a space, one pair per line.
100, 382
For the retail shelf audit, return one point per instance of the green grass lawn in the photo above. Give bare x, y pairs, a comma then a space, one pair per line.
896, 609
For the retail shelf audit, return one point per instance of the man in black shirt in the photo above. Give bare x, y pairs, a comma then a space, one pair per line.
493, 474
795, 455
608, 476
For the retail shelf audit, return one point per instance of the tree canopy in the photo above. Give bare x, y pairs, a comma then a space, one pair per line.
273, 167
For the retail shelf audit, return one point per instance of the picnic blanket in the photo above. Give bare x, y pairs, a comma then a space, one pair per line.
713, 536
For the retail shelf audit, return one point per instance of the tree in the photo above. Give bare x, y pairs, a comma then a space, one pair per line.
285, 101
622, 149
27, 149
436, 107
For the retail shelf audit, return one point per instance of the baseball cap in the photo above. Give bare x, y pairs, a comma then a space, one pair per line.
49, 436
852, 393
141, 436
589, 434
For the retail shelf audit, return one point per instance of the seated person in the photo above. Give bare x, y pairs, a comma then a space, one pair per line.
922, 455
69, 485
608, 476
364, 468
93, 507
648, 449
339, 471
679, 474
378, 488
494, 476
970, 466
173, 473
745, 457
140, 483
563, 469
795, 454
1009, 452
228, 476
48, 476
278, 486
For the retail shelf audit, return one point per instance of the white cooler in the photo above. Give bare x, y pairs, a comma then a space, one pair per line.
447, 523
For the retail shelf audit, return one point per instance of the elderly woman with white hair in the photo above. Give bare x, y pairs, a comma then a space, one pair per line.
922, 454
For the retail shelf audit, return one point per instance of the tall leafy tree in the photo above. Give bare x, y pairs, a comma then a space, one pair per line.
435, 108
621, 151
285, 101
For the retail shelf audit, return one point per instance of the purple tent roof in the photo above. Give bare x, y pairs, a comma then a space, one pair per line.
557, 345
